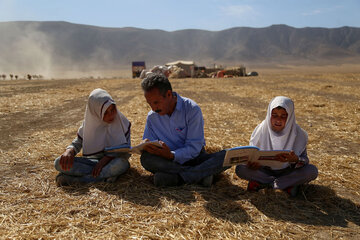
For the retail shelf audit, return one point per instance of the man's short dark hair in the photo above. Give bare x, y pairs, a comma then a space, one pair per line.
158, 81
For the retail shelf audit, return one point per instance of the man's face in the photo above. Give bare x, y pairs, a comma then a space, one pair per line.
157, 102
278, 119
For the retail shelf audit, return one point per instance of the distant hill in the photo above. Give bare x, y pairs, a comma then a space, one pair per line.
45, 46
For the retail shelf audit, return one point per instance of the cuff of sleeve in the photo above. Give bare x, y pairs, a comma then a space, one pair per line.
176, 157
303, 161
300, 163
173, 152
72, 147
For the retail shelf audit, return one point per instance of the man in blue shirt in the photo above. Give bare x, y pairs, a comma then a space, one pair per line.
178, 124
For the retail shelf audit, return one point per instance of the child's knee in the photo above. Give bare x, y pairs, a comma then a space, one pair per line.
307, 173
241, 171
312, 171
57, 164
121, 166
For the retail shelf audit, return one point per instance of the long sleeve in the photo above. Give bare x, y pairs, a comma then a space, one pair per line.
76, 144
194, 139
183, 131
128, 135
149, 132
303, 159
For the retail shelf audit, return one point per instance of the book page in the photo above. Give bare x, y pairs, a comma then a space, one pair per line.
269, 159
139, 148
239, 155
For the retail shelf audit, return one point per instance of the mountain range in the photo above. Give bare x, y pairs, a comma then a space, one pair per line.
49, 46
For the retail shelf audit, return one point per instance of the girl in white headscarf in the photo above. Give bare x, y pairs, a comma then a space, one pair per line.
103, 126
279, 131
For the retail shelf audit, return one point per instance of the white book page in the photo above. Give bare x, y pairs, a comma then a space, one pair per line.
269, 159
239, 156
139, 148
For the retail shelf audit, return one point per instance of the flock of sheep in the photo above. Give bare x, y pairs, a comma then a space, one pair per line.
16, 77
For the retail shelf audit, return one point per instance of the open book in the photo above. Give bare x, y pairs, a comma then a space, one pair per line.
241, 155
128, 149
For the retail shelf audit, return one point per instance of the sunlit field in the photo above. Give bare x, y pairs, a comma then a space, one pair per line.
39, 118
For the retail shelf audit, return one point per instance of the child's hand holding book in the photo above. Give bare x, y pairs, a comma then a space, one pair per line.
290, 157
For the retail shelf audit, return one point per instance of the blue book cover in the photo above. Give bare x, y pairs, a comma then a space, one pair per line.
119, 147
243, 147
136, 149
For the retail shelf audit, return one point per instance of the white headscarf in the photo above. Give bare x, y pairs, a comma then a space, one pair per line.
96, 133
292, 137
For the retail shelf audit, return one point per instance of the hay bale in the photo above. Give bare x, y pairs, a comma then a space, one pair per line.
177, 72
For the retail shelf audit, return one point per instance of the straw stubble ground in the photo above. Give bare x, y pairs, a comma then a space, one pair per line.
40, 118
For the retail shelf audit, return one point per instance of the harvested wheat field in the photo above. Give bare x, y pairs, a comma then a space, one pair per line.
40, 118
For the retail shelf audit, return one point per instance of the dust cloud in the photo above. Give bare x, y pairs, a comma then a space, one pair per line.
28, 48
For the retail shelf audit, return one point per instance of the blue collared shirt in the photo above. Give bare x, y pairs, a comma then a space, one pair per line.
183, 131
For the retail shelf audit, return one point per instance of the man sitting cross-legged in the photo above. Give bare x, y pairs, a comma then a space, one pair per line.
178, 124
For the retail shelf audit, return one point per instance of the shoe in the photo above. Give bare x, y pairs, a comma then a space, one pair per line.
66, 180
207, 181
166, 179
111, 179
254, 186
292, 191
61, 180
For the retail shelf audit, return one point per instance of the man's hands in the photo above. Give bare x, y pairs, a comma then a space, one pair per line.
163, 151
67, 159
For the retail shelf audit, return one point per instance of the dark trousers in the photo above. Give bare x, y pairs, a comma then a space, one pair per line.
192, 171
279, 179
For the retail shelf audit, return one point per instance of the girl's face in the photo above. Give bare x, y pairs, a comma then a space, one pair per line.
278, 119
110, 114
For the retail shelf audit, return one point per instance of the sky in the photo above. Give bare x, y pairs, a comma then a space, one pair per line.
172, 15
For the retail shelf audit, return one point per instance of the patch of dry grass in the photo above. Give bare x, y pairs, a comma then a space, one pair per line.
38, 119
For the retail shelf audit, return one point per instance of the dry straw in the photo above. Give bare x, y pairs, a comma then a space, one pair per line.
40, 118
